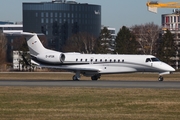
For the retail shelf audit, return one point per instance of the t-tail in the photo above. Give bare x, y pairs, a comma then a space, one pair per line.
34, 44
39, 53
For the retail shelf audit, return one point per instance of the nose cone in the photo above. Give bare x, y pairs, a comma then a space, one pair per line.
163, 67
172, 69
168, 68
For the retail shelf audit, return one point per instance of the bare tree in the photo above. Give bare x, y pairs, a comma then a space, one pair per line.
43, 40
73, 44
147, 36
19, 43
88, 42
3, 48
81, 42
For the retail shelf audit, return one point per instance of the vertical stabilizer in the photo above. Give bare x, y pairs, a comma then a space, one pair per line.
34, 44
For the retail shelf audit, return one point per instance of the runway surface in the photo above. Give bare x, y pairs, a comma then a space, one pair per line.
101, 83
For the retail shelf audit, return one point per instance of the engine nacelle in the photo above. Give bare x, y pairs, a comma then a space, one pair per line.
53, 58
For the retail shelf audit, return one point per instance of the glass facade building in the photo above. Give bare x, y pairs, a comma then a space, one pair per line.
60, 19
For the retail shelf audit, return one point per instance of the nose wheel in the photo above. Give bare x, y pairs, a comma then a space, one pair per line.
160, 78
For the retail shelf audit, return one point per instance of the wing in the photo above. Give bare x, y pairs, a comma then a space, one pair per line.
82, 68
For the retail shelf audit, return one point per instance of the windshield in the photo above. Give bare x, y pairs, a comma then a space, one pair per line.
155, 60
152, 60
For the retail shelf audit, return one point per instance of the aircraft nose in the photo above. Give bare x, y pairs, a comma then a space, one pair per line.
172, 69
169, 68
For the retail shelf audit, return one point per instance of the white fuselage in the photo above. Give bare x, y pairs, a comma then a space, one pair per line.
93, 64
104, 63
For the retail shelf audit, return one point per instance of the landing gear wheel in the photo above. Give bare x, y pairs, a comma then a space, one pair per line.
75, 78
94, 78
160, 78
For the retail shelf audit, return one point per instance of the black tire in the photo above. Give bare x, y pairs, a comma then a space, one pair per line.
160, 78
94, 78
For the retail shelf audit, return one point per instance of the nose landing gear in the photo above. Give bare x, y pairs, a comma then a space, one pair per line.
160, 78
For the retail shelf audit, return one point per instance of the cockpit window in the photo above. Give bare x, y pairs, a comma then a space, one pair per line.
152, 60
148, 60
155, 59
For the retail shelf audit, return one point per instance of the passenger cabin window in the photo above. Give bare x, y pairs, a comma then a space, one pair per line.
76, 59
148, 60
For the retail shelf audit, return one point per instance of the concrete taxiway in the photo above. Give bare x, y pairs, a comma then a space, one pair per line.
101, 83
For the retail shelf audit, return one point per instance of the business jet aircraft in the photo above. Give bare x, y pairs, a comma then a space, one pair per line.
93, 65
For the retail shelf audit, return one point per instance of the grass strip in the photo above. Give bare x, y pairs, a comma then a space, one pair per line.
56, 103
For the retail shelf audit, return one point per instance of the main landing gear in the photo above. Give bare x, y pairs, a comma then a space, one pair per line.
95, 77
160, 78
77, 76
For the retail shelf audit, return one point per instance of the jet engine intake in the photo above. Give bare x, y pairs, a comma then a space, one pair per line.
52, 58
62, 58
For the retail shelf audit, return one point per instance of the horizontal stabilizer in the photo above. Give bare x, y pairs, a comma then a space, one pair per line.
24, 33
34, 63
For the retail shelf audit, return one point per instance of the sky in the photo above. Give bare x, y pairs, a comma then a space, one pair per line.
115, 13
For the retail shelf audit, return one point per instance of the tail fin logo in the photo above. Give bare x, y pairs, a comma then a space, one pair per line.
34, 42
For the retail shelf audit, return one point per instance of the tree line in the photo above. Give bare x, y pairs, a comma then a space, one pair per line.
138, 39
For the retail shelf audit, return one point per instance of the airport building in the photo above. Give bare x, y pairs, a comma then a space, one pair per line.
59, 19
172, 23
5, 22
8, 30
11, 28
